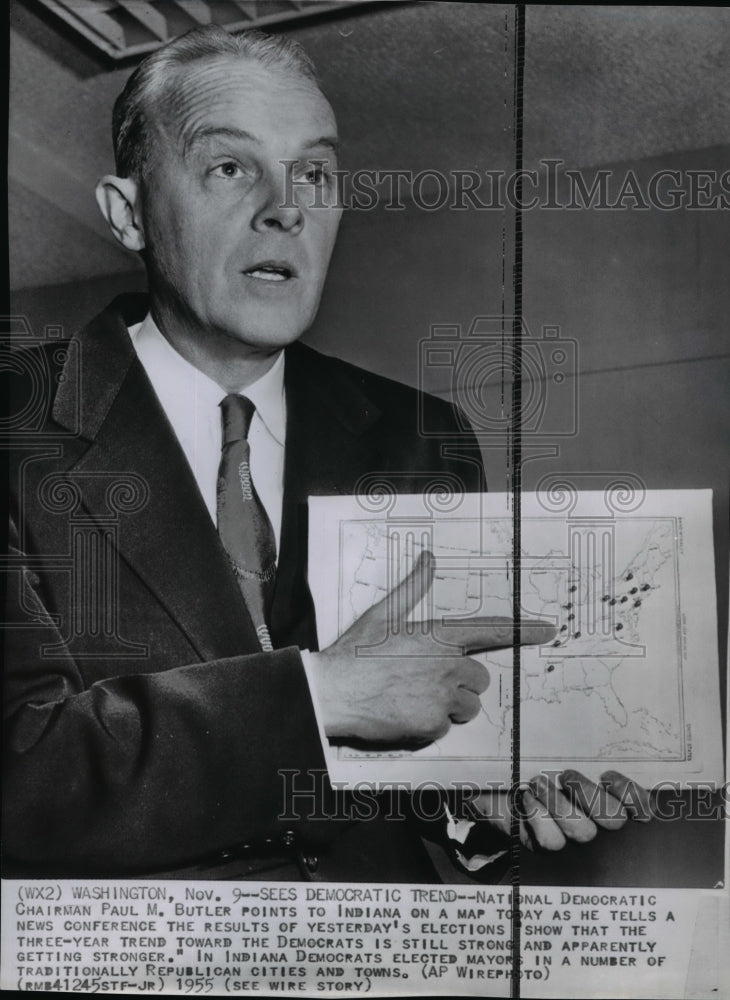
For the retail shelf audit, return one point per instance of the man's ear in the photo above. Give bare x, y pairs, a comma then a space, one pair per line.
119, 201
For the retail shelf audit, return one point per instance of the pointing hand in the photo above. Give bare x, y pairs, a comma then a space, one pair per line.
423, 681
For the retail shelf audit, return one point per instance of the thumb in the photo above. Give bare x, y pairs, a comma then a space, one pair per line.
399, 603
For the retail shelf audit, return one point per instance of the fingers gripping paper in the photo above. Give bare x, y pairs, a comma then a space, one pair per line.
630, 680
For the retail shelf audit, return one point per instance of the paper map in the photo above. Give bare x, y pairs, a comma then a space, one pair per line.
630, 682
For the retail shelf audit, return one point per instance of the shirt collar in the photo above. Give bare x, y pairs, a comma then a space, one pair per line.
266, 393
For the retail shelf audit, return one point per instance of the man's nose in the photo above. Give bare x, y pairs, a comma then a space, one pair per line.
278, 208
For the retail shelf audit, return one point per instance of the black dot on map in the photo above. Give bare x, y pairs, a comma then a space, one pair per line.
573, 589
624, 599
637, 603
577, 635
619, 627
550, 667
634, 590
629, 576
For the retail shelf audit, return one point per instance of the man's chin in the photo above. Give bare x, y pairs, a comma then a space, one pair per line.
267, 329
264, 339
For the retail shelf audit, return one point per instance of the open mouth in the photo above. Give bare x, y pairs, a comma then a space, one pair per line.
270, 271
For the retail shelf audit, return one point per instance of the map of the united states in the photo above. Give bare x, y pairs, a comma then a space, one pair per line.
608, 689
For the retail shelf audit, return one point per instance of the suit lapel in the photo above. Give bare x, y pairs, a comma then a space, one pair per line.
172, 543
327, 449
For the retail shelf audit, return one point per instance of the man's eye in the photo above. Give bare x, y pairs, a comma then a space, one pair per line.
230, 170
317, 173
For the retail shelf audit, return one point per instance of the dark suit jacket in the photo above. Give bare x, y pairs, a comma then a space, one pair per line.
145, 731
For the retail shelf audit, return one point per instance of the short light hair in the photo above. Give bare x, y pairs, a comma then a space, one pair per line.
135, 106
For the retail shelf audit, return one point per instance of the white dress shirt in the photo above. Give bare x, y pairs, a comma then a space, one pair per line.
191, 401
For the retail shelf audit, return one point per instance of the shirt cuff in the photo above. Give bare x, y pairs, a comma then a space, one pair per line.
311, 681
458, 830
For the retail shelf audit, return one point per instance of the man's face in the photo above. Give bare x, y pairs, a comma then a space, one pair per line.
237, 242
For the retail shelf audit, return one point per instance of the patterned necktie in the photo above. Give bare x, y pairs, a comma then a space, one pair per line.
243, 524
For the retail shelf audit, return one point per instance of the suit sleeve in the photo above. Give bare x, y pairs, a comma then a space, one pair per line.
145, 771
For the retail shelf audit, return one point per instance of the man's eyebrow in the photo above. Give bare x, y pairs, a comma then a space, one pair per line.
199, 135
329, 141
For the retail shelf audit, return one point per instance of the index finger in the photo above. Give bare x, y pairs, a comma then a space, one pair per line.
475, 635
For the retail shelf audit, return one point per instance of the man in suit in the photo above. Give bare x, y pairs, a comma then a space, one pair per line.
153, 737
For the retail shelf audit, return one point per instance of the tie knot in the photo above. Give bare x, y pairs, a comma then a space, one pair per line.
237, 413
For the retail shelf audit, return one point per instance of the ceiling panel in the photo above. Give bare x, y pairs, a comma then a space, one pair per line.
123, 29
